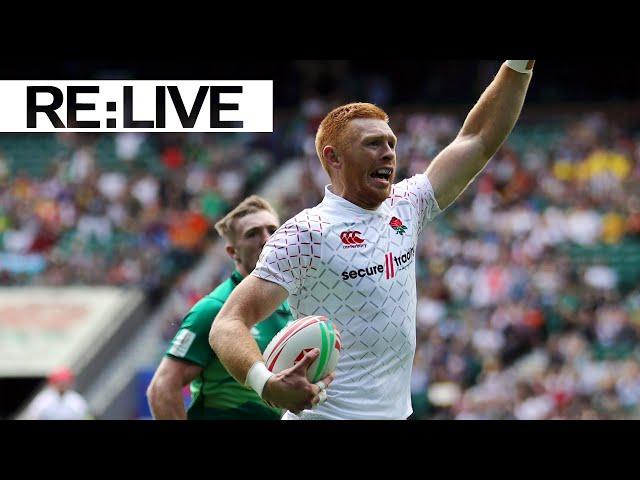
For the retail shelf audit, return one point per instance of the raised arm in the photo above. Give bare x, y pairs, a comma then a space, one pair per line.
250, 302
485, 129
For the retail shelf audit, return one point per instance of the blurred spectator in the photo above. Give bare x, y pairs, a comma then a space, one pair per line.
128, 145
122, 209
58, 400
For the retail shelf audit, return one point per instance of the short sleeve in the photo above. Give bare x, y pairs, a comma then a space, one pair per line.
292, 253
419, 192
191, 342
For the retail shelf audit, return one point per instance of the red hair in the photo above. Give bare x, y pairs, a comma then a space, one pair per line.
333, 126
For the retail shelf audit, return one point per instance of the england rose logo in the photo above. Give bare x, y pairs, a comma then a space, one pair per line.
397, 225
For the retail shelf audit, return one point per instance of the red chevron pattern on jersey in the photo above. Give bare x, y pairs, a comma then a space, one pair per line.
297, 244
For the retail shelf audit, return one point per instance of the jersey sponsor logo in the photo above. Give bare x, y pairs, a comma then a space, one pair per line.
389, 271
397, 225
391, 265
351, 239
182, 342
363, 272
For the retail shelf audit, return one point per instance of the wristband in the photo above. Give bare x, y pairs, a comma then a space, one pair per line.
257, 377
522, 66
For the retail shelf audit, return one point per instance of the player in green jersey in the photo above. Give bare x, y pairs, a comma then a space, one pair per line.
190, 359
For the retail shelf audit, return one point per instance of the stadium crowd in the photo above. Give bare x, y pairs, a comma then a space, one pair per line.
138, 214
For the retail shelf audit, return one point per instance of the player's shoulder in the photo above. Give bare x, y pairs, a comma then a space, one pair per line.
218, 295
410, 188
312, 221
208, 306
309, 216
418, 181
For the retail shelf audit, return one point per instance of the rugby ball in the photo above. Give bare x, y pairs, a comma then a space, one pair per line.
291, 343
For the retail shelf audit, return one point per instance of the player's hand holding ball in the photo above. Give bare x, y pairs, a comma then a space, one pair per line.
303, 357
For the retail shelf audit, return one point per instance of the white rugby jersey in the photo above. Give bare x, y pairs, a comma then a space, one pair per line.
357, 268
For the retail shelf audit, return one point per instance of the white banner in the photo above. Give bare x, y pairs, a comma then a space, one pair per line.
42, 328
136, 105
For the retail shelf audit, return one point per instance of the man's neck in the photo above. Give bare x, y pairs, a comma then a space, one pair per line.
241, 270
343, 193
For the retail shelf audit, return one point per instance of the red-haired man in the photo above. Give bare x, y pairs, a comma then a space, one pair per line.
366, 286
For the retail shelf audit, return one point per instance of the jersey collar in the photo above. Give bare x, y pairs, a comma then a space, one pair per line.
335, 201
236, 277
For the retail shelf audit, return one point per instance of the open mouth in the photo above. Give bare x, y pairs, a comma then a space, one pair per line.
382, 174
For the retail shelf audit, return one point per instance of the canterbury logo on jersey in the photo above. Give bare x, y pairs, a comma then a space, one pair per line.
391, 265
352, 239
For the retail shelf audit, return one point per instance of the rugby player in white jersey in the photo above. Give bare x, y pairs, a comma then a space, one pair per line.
352, 259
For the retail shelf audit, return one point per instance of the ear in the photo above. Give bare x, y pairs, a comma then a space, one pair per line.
231, 251
331, 158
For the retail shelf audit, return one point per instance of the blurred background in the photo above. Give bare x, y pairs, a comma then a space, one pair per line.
528, 286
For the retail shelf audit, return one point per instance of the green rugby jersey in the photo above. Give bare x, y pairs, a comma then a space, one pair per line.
215, 393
